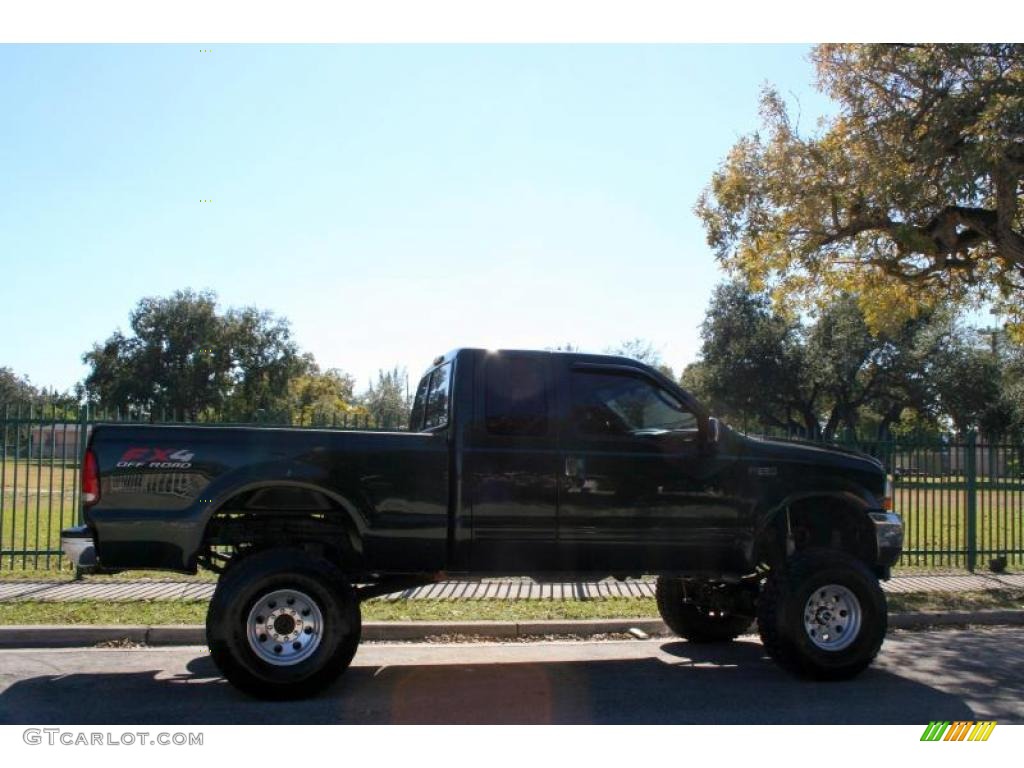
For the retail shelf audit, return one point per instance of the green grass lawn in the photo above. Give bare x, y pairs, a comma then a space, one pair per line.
37, 499
65, 573
194, 612
936, 521
33, 474
33, 522
989, 599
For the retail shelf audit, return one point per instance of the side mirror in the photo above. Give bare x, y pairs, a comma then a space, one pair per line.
714, 430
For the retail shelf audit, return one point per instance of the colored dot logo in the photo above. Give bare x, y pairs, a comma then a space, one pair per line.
206, 50
206, 200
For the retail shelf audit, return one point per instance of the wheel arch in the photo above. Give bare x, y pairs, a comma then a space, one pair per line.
834, 519
301, 507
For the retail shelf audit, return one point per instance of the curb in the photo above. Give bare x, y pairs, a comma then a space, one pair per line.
68, 636
62, 636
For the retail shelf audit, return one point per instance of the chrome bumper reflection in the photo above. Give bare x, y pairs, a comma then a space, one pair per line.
79, 549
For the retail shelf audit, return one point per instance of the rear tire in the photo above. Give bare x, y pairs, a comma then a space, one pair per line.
283, 624
696, 620
823, 615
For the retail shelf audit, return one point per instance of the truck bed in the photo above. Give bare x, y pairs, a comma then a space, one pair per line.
162, 485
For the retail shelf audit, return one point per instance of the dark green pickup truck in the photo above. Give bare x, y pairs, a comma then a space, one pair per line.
544, 464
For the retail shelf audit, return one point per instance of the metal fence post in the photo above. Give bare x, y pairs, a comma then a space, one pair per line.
971, 476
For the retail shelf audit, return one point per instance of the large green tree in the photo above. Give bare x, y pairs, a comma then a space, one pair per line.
185, 359
860, 370
1012, 394
908, 195
263, 360
762, 368
387, 400
322, 397
15, 388
752, 365
979, 386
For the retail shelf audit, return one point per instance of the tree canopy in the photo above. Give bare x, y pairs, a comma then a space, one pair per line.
185, 358
322, 397
387, 400
750, 363
15, 388
908, 196
767, 371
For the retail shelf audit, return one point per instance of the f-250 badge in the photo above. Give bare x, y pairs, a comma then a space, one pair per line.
156, 458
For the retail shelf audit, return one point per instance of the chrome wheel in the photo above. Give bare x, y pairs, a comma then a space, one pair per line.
285, 627
832, 617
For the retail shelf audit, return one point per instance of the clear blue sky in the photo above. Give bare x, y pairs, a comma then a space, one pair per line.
393, 202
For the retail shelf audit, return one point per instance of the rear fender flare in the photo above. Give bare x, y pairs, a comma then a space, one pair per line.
353, 516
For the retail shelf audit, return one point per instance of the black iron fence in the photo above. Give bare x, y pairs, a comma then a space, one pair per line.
962, 499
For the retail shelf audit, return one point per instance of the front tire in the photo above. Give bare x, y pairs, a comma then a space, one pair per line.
283, 624
701, 613
823, 615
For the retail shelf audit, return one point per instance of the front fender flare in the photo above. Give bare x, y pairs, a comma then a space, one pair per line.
850, 498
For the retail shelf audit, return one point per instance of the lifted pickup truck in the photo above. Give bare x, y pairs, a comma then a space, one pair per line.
545, 464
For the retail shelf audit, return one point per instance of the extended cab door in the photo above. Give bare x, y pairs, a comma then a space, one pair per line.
511, 463
640, 490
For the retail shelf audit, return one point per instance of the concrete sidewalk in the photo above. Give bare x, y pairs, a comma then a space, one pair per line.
488, 589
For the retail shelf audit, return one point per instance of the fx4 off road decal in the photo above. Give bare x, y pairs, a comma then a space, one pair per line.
156, 458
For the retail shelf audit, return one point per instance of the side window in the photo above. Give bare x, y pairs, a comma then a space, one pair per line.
418, 405
436, 404
515, 396
612, 404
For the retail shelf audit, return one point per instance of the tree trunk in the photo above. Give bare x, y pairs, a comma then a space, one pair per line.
833, 422
811, 423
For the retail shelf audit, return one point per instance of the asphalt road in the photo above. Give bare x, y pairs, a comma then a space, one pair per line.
920, 676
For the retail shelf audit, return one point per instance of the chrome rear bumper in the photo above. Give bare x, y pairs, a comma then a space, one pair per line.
78, 545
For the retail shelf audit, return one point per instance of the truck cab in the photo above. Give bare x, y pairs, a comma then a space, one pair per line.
600, 465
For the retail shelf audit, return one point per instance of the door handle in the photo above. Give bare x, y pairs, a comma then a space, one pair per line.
575, 471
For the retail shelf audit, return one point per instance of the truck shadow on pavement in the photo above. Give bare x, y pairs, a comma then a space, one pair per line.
679, 683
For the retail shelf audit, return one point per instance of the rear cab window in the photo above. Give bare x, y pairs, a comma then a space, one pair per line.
430, 408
